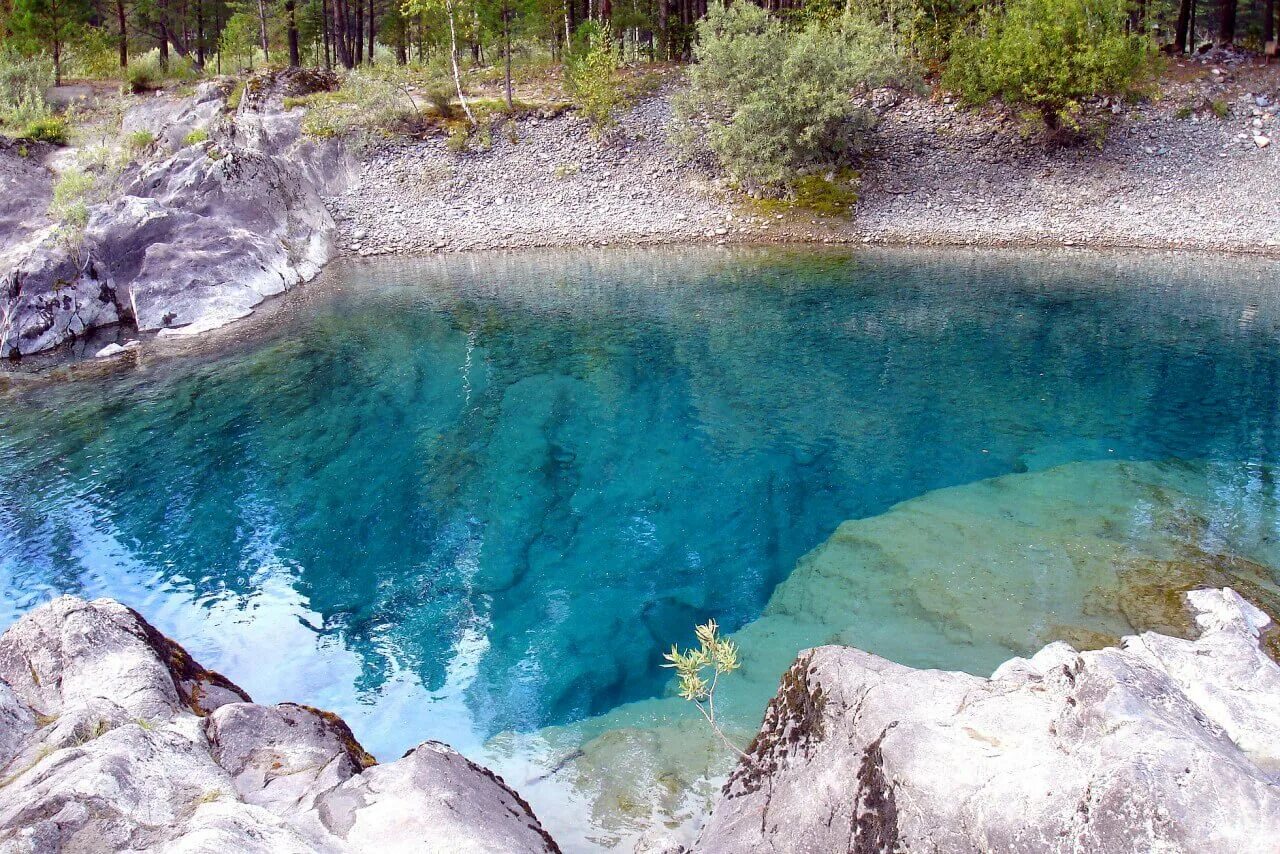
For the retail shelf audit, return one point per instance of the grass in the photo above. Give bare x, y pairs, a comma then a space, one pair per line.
139, 140
195, 137
52, 129
70, 195
832, 196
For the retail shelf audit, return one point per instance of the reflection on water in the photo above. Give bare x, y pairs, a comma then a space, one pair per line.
473, 499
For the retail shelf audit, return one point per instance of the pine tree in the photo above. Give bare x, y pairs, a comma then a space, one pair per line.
51, 24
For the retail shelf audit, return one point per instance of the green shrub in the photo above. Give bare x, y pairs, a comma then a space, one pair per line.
195, 137
52, 129
376, 100
22, 84
71, 193
1049, 56
94, 53
591, 76
774, 105
144, 74
140, 139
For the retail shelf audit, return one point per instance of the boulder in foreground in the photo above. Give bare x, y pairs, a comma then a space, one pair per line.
1161, 744
112, 738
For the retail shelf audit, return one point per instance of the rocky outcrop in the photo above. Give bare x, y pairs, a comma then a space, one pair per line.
227, 213
1161, 744
113, 739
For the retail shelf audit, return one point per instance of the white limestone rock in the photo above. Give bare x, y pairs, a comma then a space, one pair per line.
190, 241
1161, 744
112, 738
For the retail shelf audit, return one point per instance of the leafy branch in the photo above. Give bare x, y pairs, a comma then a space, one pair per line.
715, 654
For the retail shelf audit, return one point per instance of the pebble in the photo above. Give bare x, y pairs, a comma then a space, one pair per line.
940, 173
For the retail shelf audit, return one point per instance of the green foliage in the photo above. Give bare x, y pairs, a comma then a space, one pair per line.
377, 100
50, 24
240, 37
1220, 108
698, 671
774, 104
145, 73
51, 129
459, 138
93, 54
140, 140
195, 137
591, 76
713, 653
1049, 56
830, 196
22, 84
71, 194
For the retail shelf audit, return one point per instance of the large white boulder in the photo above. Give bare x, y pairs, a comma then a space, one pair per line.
112, 738
187, 242
1162, 744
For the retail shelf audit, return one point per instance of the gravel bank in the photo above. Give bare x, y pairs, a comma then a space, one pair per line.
1172, 174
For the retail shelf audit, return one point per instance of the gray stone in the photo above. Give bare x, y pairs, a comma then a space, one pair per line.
191, 241
112, 738
1161, 744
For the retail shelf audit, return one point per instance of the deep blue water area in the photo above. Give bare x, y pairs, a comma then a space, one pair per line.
510, 482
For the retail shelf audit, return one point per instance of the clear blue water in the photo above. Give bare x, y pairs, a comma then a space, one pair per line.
451, 498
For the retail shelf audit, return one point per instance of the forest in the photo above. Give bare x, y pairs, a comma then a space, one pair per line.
102, 38
772, 92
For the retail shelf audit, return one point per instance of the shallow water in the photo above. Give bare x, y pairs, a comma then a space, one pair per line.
474, 499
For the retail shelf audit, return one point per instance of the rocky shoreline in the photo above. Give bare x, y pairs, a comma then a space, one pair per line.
1172, 174
113, 737
234, 205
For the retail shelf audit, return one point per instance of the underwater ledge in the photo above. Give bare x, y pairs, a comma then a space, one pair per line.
113, 737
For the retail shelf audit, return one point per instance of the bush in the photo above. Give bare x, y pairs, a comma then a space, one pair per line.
94, 54
52, 129
144, 74
139, 140
774, 105
369, 100
1049, 56
22, 84
591, 76
71, 193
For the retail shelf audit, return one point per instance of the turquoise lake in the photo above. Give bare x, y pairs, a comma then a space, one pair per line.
475, 498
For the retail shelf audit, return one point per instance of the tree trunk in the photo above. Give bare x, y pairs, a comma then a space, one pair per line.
164, 45
200, 33
324, 34
664, 34
453, 59
262, 31
340, 44
358, 34
217, 28
506, 48
124, 34
1269, 22
372, 30
1181, 41
1227, 22
291, 21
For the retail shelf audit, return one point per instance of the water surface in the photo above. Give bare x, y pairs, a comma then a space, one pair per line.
474, 498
